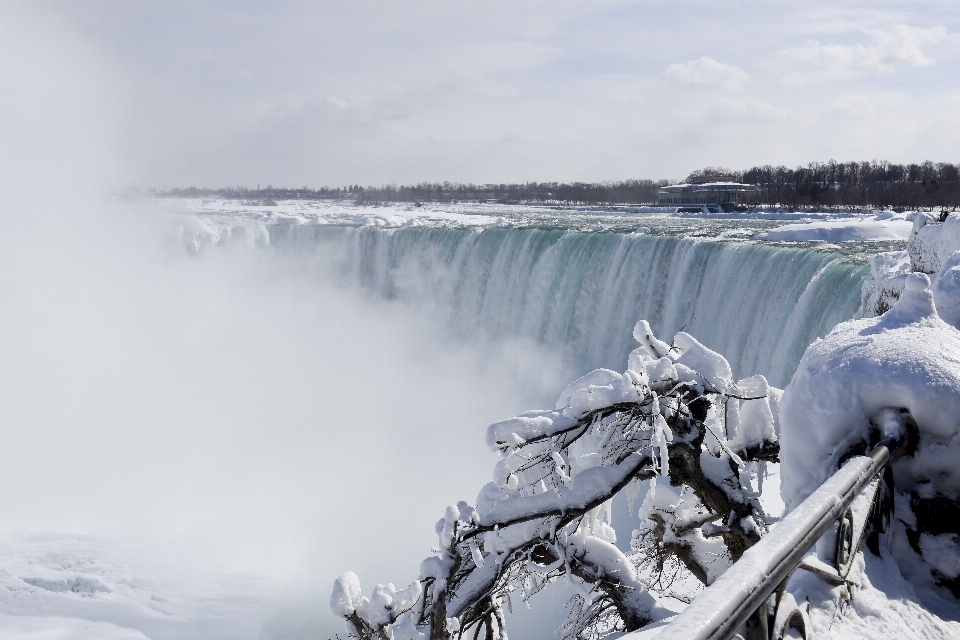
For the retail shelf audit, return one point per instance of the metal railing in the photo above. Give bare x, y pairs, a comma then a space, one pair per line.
739, 597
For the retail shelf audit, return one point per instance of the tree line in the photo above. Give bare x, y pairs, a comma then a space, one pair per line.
627, 191
838, 184
819, 184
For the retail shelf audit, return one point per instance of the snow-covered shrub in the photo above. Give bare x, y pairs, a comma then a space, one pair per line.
907, 359
674, 418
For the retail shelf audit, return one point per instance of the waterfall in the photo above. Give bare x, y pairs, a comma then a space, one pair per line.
581, 293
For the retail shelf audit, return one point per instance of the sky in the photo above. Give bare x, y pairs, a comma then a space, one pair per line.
177, 94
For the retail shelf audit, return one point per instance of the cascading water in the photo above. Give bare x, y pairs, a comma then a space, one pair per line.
581, 293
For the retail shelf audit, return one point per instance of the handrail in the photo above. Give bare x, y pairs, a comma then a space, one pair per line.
721, 609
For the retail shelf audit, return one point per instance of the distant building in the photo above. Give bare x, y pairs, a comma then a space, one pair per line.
716, 193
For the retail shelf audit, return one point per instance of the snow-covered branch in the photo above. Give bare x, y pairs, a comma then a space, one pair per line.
674, 417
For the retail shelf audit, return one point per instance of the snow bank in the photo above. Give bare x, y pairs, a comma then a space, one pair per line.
907, 358
881, 227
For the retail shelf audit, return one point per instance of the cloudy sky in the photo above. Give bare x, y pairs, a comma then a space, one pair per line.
332, 93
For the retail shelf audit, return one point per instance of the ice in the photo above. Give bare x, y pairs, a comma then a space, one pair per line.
58, 628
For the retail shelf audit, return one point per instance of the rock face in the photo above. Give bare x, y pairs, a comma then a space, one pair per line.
908, 358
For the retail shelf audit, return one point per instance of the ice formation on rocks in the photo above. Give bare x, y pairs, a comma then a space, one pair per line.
934, 249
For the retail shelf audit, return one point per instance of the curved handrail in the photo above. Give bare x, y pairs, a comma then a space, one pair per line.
721, 609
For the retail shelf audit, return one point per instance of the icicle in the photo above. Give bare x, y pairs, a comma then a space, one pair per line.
632, 491
661, 443
653, 488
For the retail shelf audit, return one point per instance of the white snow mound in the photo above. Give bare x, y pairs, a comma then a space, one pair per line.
846, 230
907, 358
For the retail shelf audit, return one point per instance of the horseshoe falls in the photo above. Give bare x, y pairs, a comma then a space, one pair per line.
202, 391
581, 293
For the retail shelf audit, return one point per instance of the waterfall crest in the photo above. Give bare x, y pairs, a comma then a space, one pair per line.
581, 293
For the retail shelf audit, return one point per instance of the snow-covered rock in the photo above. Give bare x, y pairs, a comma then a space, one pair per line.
882, 288
934, 249
932, 242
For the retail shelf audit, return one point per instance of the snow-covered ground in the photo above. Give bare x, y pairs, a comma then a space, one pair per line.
57, 586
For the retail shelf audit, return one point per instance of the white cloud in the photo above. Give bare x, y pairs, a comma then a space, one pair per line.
854, 106
707, 71
887, 50
902, 44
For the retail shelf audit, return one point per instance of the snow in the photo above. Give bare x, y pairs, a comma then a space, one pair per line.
588, 485
68, 587
57, 628
880, 290
842, 397
942, 552
881, 603
720, 601
906, 358
346, 595
932, 243
934, 249
845, 230
946, 290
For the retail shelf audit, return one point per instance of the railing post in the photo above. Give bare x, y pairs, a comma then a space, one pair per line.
757, 626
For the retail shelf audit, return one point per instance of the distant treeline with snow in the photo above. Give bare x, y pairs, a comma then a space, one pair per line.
627, 191
857, 183
824, 184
